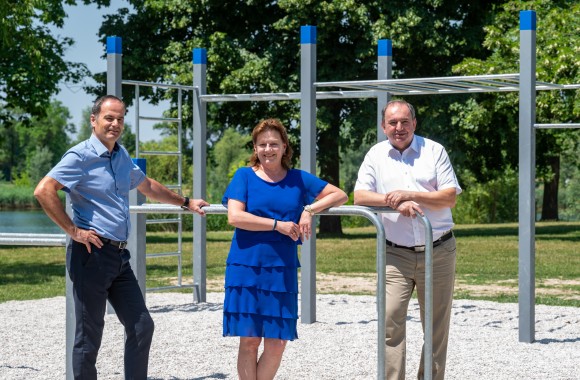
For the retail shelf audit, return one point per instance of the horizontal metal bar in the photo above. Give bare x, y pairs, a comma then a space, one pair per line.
441, 80
161, 208
25, 235
562, 125
285, 96
162, 254
161, 221
159, 153
170, 287
155, 118
160, 85
58, 241
445, 85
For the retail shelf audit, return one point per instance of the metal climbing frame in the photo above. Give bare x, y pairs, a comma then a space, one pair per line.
178, 186
524, 82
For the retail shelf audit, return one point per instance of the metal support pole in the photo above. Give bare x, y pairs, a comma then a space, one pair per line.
70, 306
527, 176
114, 66
384, 71
137, 243
308, 163
199, 172
428, 334
114, 84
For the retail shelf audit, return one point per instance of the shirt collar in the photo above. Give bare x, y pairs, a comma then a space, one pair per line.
413, 146
99, 147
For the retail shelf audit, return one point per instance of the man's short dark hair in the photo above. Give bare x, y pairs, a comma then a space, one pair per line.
96, 110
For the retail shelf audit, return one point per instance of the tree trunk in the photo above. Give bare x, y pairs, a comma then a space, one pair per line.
329, 161
550, 201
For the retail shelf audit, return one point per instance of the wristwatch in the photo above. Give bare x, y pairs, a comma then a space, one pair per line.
308, 209
185, 204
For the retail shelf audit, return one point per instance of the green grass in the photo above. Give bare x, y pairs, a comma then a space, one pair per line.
487, 262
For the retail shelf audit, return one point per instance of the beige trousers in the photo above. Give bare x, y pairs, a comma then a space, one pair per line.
405, 271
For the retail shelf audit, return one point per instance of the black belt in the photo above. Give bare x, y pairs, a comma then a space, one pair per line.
421, 248
119, 244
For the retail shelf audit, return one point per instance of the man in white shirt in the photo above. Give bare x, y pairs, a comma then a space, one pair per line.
413, 175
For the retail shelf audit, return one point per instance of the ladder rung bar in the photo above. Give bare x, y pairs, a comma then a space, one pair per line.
162, 254
154, 118
159, 153
169, 287
162, 221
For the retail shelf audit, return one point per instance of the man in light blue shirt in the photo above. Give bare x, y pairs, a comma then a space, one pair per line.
98, 174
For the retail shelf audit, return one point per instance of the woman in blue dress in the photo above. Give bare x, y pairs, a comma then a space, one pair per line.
271, 206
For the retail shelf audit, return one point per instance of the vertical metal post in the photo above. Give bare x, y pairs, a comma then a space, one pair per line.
527, 176
384, 71
70, 306
180, 184
137, 119
428, 334
114, 66
137, 236
308, 163
114, 85
199, 172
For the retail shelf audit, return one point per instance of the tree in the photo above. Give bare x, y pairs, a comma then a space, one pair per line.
26, 142
31, 63
85, 129
39, 163
254, 47
230, 153
490, 122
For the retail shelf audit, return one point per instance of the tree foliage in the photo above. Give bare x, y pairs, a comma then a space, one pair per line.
25, 144
231, 152
31, 58
254, 47
488, 124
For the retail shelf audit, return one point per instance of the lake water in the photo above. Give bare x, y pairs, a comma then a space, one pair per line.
27, 222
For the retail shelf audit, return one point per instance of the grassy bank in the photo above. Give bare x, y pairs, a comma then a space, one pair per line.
14, 197
487, 262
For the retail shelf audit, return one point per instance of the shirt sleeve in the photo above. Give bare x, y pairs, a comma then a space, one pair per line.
237, 188
313, 186
446, 177
68, 171
137, 176
366, 179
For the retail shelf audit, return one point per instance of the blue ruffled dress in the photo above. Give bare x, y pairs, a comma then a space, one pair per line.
261, 281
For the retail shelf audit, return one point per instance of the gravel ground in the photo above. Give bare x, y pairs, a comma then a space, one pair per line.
342, 345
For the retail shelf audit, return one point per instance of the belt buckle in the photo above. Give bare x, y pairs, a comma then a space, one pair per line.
419, 248
122, 245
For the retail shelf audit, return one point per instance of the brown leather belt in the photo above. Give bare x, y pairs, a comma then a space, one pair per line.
421, 248
119, 244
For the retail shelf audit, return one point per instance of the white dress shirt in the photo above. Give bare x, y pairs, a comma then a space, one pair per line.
423, 166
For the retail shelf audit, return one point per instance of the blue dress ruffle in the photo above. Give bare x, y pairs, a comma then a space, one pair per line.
261, 281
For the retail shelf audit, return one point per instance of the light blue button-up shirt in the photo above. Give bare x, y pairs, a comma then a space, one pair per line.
98, 183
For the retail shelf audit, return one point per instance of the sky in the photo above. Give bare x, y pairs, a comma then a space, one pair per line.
82, 24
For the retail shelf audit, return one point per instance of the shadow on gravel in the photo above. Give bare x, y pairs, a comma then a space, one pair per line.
212, 376
550, 341
188, 308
